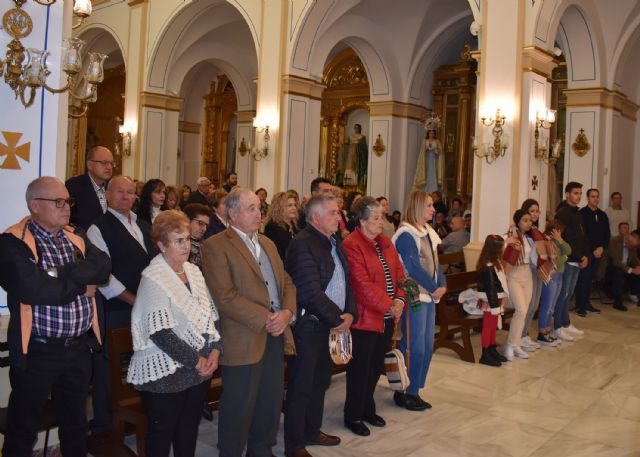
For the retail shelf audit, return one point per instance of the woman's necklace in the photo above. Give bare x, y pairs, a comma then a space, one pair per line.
181, 272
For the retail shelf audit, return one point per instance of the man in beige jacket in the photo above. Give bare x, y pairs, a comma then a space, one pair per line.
256, 299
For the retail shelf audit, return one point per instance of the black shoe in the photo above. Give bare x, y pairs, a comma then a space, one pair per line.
581, 313
207, 413
415, 403
620, 307
358, 428
375, 420
488, 359
592, 309
399, 399
496, 355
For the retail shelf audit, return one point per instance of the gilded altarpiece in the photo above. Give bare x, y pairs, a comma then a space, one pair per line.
559, 103
454, 93
347, 89
220, 108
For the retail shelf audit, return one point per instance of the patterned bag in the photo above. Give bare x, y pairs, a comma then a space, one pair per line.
394, 362
340, 347
410, 286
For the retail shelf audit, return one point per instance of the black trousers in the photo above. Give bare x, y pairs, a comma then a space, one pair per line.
364, 370
251, 403
173, 419
63, 373
585, 280
620, 282
309, 379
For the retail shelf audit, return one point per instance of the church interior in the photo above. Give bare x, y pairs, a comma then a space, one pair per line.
518, 98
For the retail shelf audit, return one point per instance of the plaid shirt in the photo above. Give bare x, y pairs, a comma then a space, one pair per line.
72, 319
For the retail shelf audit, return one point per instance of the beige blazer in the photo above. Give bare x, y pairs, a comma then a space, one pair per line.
238, 288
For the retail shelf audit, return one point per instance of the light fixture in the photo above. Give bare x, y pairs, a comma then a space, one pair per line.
243, 148
260, 153
25, 78
378, 146
490, 152
123, 139
81, 10
544, 121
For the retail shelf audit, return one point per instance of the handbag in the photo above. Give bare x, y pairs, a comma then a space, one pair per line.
394, 361
340, 347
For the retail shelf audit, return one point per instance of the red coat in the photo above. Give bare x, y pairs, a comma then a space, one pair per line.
368, 280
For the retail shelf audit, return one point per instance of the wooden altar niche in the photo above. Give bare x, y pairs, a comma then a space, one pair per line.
347, 89
558, 102
454, 92
220, 108
99, 127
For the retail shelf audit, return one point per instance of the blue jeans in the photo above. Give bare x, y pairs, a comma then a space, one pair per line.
561, 313
421, 335
535, 300
550, 294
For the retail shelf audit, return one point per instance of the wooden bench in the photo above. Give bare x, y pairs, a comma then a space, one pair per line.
453, 262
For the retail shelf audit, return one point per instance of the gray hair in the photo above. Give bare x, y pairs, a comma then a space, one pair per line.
364, 208
118, 177
233, 199
316, 204
35, 187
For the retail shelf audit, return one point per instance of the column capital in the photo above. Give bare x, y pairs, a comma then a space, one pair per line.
397, 109
539, 61
304, 87
136, 2
161, 101
603, 97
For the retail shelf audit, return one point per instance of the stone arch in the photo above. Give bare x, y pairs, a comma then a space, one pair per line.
101, 37
624, 62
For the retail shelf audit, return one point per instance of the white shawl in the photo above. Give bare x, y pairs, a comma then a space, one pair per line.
163, 302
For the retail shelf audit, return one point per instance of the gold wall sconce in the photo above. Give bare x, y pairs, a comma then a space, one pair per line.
378, 146
262, 152
243, 148
543, 122
491, 151
581, 144
123, 140
25, 70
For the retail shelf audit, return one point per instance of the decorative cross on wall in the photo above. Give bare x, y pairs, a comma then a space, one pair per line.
534, 182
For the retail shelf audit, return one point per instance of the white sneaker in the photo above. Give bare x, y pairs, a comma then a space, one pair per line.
536, 344
562, 335
633, 298
527, 344
573, 330
508, 352
518, 352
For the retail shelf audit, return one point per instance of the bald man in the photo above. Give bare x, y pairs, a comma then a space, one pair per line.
49, 271
127, 241
458, 238
89, 190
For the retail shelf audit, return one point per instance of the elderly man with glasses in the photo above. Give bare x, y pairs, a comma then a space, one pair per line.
90, 189
50, 271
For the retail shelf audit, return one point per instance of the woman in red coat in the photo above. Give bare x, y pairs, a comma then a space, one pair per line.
375, 269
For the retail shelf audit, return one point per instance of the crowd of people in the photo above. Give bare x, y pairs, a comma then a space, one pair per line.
221, 278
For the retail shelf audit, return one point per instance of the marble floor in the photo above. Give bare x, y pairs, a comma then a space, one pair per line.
582, 399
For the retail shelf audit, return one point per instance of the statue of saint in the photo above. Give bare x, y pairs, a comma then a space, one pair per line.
352, 170
430, 168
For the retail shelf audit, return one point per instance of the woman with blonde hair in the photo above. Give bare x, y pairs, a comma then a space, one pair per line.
417, 243
282, 221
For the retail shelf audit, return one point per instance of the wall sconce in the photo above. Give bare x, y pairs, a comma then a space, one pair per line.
124, 138
378, 146
243, 148
541, 149
490, 152
260, 153
30, 76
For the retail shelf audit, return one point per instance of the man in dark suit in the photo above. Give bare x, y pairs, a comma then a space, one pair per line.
318, 266
127, 241
623, 272
201, 194
256, 299
89, 190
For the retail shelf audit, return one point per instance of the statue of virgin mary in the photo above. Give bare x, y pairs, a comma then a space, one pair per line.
430, 167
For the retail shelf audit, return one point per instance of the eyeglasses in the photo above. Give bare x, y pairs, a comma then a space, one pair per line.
60, 202
104, 163
180, 241
201, 223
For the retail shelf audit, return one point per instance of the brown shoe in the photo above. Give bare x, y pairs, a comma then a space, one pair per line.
324, 440
302, 452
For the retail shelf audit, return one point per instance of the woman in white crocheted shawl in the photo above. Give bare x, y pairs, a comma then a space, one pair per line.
175, 341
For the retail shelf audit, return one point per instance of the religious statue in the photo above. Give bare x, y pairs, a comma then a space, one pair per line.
430, 167
352, 168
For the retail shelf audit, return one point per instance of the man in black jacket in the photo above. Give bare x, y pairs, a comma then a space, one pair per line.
596, 226
574, 235
89, 189
318, 267
50, 272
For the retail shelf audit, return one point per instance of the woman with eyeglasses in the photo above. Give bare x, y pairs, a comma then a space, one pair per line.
175, 341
